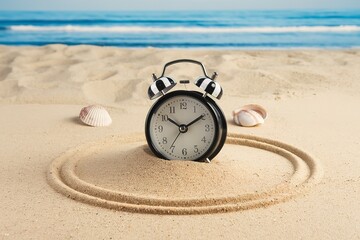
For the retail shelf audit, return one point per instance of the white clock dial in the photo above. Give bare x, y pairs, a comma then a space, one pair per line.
183, 128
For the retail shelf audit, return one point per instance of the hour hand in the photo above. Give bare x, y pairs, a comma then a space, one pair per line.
172, 121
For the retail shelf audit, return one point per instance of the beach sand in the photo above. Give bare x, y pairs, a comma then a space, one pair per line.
295, 177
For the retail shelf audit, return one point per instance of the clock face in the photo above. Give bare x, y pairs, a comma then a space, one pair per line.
182, 127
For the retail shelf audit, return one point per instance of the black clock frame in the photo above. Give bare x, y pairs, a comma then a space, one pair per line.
216, 112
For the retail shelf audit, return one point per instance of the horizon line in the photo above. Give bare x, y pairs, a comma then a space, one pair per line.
180, 10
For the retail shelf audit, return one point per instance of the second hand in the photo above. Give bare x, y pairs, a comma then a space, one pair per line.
172, 145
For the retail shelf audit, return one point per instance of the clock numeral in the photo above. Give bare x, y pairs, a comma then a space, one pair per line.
160, 128
194, 109
196, 149
164, 140
172, 148
183, 105
184, 151
164, 118
172, 109
203, 117
203, 139
207, 128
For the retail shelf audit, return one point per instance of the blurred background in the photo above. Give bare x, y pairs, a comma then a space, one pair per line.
174, 24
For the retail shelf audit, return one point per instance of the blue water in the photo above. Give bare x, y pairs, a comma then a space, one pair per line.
211, 29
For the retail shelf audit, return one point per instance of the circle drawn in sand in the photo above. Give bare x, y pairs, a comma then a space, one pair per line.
78, 174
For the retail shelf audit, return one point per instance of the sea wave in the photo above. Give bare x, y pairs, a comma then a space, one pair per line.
135, 29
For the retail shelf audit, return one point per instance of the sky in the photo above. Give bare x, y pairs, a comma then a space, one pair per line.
122, 5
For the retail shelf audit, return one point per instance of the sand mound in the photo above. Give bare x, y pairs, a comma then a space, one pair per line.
120, 173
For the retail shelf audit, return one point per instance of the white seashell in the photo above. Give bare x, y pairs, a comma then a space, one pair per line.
249, 115
95, 115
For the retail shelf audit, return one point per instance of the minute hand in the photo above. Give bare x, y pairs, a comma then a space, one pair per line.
194, 121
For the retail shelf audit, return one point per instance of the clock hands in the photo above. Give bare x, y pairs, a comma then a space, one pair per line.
172, 147
172, 121
182, 128
194, 121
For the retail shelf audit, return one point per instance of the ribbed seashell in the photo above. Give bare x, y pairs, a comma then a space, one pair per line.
95, 115
249, 115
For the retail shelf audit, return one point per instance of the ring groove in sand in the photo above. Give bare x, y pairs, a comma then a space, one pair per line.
306, 172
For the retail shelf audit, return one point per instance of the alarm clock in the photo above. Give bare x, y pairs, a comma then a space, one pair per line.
185, 125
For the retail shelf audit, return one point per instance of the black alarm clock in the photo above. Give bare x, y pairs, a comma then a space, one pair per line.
185, 125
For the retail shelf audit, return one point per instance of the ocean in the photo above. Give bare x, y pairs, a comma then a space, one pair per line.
180, 29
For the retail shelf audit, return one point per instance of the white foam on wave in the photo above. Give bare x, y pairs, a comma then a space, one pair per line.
133, 29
